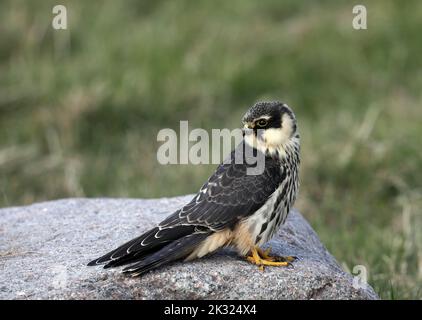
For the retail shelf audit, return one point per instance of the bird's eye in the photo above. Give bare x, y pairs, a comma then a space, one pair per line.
262, 122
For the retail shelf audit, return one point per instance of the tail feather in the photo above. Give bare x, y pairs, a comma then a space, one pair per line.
149, 242
122, 251
176, 250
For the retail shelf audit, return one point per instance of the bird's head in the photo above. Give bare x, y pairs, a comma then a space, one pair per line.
271, 127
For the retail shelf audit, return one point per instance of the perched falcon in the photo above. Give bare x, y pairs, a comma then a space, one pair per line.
233, 207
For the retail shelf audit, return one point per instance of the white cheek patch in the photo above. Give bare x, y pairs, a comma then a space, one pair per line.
276, 137
273, 140
288, 125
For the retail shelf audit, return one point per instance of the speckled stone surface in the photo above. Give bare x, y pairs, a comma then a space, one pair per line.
44, 249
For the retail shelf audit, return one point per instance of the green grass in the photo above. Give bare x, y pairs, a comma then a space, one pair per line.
80, 109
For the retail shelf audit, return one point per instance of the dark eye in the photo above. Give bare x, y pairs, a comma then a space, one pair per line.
262, 122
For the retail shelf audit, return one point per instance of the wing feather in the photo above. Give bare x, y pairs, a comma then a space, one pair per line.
229, 194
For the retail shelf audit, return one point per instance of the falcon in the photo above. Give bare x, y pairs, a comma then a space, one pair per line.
233, 208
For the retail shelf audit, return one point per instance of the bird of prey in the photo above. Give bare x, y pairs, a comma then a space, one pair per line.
233, 208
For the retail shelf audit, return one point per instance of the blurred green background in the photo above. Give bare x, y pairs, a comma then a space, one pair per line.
80, 109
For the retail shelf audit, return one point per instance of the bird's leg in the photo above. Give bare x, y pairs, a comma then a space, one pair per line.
265, 254
261, 259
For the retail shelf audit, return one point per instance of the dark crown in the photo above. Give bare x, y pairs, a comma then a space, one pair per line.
267, 108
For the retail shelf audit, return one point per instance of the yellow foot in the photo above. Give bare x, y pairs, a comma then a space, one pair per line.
262, 258
265, 254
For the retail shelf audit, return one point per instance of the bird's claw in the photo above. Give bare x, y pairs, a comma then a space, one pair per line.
262, 258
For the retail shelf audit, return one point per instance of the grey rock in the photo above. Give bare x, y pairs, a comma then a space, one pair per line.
45, 247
